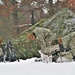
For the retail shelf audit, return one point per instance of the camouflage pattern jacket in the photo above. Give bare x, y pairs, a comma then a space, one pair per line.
45, 37
69, 41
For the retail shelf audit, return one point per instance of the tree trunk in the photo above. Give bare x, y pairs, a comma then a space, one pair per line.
51, 11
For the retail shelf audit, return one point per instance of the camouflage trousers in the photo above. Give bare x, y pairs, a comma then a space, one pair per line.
67, 55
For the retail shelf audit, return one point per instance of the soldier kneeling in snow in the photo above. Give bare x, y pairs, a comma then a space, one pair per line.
64, 54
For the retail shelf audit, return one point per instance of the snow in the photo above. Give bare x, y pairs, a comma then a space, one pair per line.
30, 67
54, 1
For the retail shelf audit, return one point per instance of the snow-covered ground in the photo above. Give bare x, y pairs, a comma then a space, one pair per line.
30, 67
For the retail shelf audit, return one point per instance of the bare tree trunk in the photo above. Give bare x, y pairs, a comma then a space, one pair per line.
51, 11
32, 18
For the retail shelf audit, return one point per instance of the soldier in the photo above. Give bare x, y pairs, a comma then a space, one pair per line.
64, 51
69, 42
44, 36
67, 46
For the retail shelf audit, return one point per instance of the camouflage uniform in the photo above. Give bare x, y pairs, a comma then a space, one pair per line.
69, 42
45, 37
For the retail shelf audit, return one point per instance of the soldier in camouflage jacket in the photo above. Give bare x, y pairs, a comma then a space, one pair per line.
44, 36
